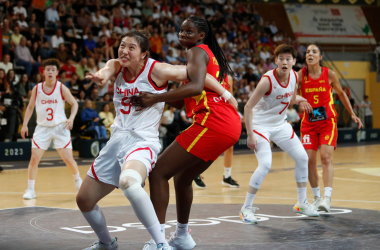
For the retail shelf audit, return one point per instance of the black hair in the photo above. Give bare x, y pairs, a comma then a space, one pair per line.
51, 62
320, 62
285, 49
205, 26
142, 38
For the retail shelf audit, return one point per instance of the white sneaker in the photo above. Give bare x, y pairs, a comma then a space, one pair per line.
316, 202
164, 247
100, 246
78, 183
29, 194
150, 245
247, 214
305, 208
183, 242
325, 204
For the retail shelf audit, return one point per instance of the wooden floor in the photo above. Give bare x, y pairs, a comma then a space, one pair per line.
356, 183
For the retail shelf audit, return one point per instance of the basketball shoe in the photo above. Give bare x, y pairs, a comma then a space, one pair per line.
230, 182
150, 245
325, 204
199, 183
78, 183
29, 194
247, 214
316, 202
305, 208
183, 242
97, 245
164, 247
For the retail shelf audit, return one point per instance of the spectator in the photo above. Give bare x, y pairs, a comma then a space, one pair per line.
182, 57
69, 68
70, 32
113, 42
81, 68
19, 9
37, 78
90, 115
249, 76
107, 118
209, 12
15, 37
6, 65
57, 39
33, 23
22, 24
103, 50
89, 45
293, 117
260, 67
81, 96
268, 65
73, 84
74, 53
23, 86
168, 127
367, 106
104, 32
32, 37
106, 98
6, 38
264, 54
91, 66
250, 88
45, 51
4, 86
99, 20
25, 59
172, 36
12, 79
52, 17
62, 55
155, 45
35, 52
171, 59
41, 37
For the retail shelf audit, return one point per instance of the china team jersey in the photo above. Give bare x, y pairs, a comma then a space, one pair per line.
211, 110
50, 107
144, 123
319, 93
271, 109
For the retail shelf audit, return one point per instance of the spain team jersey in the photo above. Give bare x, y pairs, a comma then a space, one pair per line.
211, 110
319, 93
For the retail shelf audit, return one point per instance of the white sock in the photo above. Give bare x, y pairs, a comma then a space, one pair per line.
249, 199
328, 191
181, 229
76, 176
316, 192
156, 232
163, 228
97, 221
227, 172
31, 184
301, 194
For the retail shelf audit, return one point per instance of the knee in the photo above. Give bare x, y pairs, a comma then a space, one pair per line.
303, 159
34, 160
128, 178
264, 167
84, 204
127, 182
326, 159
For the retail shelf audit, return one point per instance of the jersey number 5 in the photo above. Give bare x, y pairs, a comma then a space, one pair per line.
286, 105
127, 104
49, 114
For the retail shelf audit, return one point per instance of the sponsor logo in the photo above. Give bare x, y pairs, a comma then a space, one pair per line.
284, 95
49, 101
322, 81
306, 139
327, 137
215, 61
127, 92
311, 90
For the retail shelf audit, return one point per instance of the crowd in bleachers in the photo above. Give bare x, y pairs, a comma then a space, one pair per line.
84, 34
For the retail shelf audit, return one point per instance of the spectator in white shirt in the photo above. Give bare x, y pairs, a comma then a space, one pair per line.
191, 9
19, 9
52, 17
57, 39
98, 19
209, 11
156, 13
6, 65
172, 35
22, 23
264, 54
223, 39
273, 27
25, 59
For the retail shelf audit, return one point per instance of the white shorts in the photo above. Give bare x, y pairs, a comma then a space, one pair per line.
120, 148
276, 134
43, 136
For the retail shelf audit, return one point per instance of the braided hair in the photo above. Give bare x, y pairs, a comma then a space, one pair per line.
205, 26
320, 62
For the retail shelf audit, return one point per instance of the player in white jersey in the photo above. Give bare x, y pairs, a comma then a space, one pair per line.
130, 154
265, 117
52, 125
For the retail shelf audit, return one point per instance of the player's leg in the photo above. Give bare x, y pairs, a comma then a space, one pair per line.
90, 193
328, 175
67, 156
37, 154
264, 158
227, 179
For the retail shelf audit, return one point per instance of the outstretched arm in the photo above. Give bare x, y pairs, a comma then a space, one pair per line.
103, 75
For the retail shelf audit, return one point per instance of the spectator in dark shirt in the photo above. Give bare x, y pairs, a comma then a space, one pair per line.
182, 57
249, 76
74, 53
89, 45
91, 115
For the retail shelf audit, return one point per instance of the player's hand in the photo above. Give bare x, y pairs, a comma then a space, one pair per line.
97, 78
24, 130
305, 106
252, 142
143, 100
68, 124
233, 102
357, 120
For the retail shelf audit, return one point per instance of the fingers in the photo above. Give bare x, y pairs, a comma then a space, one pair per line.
89, 75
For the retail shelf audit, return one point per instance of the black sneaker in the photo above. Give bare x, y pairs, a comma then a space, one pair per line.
199, 183
230, 182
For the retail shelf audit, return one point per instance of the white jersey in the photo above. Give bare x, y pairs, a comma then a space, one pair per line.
50, 107
144, 123
271, 109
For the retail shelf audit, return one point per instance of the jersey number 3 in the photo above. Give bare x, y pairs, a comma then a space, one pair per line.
127, 106
50, 115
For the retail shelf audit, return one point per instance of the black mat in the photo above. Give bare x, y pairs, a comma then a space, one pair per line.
214, 226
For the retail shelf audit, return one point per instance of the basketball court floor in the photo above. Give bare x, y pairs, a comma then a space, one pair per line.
53, 221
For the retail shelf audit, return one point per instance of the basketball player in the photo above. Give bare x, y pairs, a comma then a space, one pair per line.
319, 127
216, 127
52, 125
131, 153
265, 118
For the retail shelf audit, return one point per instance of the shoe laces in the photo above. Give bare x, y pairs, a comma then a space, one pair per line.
151, 242
233, 182
253, 209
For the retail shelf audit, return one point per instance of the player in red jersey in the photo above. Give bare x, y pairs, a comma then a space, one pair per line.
319, 128
216, 126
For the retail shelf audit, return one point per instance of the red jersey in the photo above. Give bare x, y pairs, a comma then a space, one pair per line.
319, 93
211, 110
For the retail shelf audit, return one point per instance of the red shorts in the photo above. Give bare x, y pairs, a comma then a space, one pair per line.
317, 133
204, 143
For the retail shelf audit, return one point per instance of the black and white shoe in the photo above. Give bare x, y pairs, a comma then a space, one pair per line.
230, 182
199, 183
